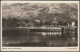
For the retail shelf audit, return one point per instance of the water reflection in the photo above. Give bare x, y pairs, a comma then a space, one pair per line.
21, 37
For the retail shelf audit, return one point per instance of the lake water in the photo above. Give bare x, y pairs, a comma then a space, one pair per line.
21, 37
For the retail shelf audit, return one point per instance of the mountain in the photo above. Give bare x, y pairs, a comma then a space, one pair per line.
48, 12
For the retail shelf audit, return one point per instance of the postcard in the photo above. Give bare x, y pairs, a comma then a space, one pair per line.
40, 26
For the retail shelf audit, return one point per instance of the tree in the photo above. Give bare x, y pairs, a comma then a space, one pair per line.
14, 22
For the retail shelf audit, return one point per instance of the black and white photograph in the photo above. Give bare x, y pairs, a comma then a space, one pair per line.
39, 24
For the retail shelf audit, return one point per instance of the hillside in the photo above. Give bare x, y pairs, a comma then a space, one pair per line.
21, 14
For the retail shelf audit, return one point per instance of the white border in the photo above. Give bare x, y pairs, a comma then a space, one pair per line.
40, 48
